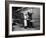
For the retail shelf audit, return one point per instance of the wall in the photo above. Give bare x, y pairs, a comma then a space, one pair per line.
36, 17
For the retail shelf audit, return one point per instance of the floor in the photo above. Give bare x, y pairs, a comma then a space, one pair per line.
19, 28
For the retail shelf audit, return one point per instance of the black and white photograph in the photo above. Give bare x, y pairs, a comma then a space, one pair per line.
25, 19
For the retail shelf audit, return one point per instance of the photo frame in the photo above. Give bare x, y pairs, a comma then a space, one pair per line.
24, 18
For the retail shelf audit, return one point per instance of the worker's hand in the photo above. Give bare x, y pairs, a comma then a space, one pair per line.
32, 21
